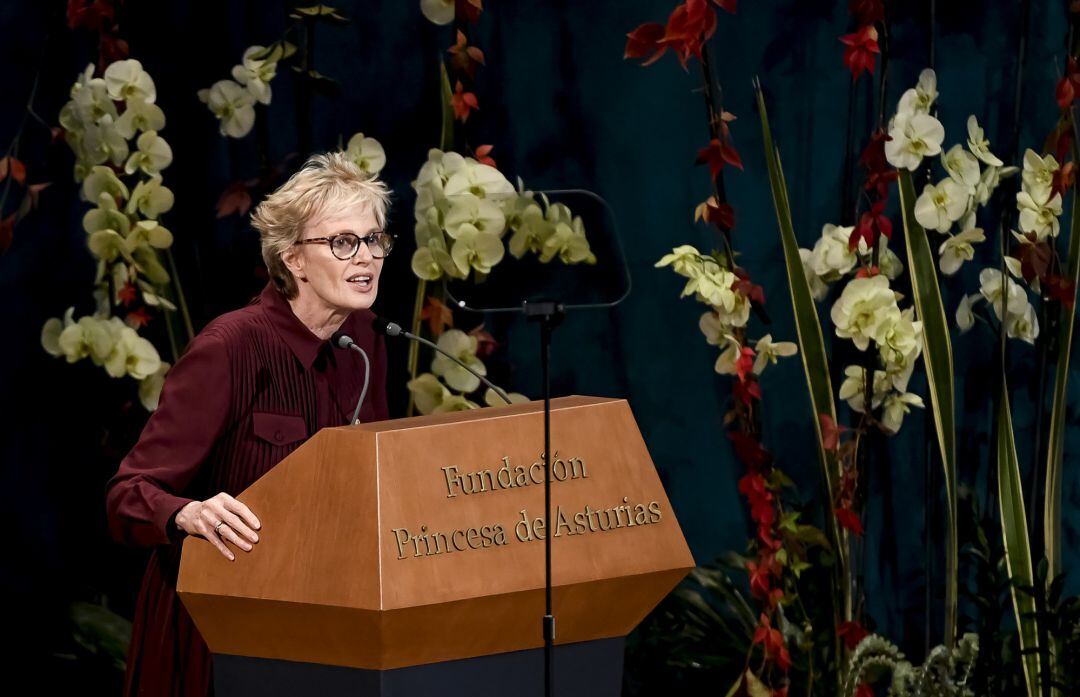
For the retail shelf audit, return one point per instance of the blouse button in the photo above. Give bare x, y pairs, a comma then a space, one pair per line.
279, 436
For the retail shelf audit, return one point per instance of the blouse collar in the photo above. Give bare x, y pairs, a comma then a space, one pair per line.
303, 343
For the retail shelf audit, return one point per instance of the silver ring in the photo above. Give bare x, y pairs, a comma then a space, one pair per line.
217, 527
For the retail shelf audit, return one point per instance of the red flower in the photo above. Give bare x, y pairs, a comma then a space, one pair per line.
773, 643
1060, 288
463, 102
879, 173
872, 224
485, 341
690, 25
721, 215
760, 580
1064, 179
644, 41
851, 633
747, 288
469, 10
91, 15
1069, 85
849, 519
862, 49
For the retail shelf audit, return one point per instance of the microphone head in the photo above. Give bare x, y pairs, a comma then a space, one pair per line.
385, 326
342, 340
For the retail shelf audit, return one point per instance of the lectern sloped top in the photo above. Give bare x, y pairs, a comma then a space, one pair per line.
422, 539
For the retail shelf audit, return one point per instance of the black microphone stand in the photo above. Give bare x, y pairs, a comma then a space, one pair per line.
549, 314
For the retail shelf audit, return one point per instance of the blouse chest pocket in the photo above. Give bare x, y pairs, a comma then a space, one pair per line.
279, 429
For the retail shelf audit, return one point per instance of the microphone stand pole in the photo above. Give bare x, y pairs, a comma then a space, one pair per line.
548, 314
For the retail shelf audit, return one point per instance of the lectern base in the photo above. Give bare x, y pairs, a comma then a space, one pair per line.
587, 669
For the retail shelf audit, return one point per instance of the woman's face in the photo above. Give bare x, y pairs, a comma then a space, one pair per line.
347, 285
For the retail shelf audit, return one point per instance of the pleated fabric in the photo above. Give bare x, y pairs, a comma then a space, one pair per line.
249, 389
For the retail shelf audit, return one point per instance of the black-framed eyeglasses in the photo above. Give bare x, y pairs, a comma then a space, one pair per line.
345, 245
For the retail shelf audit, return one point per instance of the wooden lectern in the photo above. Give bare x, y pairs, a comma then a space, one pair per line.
406, 557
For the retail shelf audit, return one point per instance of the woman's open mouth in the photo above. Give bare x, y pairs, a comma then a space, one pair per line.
361, 281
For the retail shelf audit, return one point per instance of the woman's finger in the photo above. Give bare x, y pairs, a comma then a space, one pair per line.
227, 533
233, 521
243, 511
206, 530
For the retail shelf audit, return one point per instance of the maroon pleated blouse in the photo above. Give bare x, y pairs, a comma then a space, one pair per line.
250, 389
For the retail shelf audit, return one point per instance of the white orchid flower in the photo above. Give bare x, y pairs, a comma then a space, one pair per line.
427, 392
483, 214
901, 347
127, 81
103, 180
963, 168
853, 388
1038, 175
480, 180
140, 116
991, 286
150, 387
832, 256
1039, 218
769, 351
480, 251
232, 105
367, 153
818, 288
865, 310
919, 99
965, 318
1023, 325
256, 73
938, 207
898, 405
439, 12
463, 347
979, 145
150, 198
959, 248
568, 243
914, 136
154, 154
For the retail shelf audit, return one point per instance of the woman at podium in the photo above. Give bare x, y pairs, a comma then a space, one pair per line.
249, 389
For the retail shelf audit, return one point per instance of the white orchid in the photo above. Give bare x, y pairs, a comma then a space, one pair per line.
478, 179
150, 387
979, 145
992, 287
103, 180
428, 392
963, 168
900, 347
477, 250
153, 155
140, 116
1040, 219
989, 182
366, 152
914, 136
919, 99
150, 198
481, 213
1023, 325
440, 12
131, 355
1038, 175
233, 105
938, 207
818, 288
853, 388
127, 81
463, 347
768, 351
897, 405
568, 243
959, 248
865, 311
257, 68
965, 318
832, 256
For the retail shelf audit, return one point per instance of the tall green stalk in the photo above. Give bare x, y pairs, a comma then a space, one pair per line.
938, 358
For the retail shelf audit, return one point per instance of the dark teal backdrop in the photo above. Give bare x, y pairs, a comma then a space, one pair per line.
563, 109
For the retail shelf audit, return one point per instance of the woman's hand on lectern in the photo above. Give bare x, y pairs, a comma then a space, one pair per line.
218, 519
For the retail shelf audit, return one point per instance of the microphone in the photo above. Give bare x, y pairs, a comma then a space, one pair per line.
344, 341
387, 328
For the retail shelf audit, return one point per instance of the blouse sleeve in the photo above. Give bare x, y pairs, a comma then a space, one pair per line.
147, 490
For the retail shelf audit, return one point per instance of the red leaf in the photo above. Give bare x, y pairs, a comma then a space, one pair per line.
235, 199
469, 10
127, 294
851, 633
482, 155
752, 454
34, 192
137, 318
643, 41
713, 155
1065, 93
864, 690
18, 169
849, 519
1064, 179
438, 315
1060, 288
730, 156
830, 432
463, 102
92, 15
485, 342
727, 5
465, 58
867, 11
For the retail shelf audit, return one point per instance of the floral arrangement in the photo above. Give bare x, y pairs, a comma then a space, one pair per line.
467, 217
112, 125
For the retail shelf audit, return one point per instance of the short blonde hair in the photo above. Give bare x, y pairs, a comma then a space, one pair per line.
327, 182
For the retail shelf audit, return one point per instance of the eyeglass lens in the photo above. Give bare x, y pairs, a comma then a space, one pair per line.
347, 244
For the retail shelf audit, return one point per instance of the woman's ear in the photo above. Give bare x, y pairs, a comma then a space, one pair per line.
294, 262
